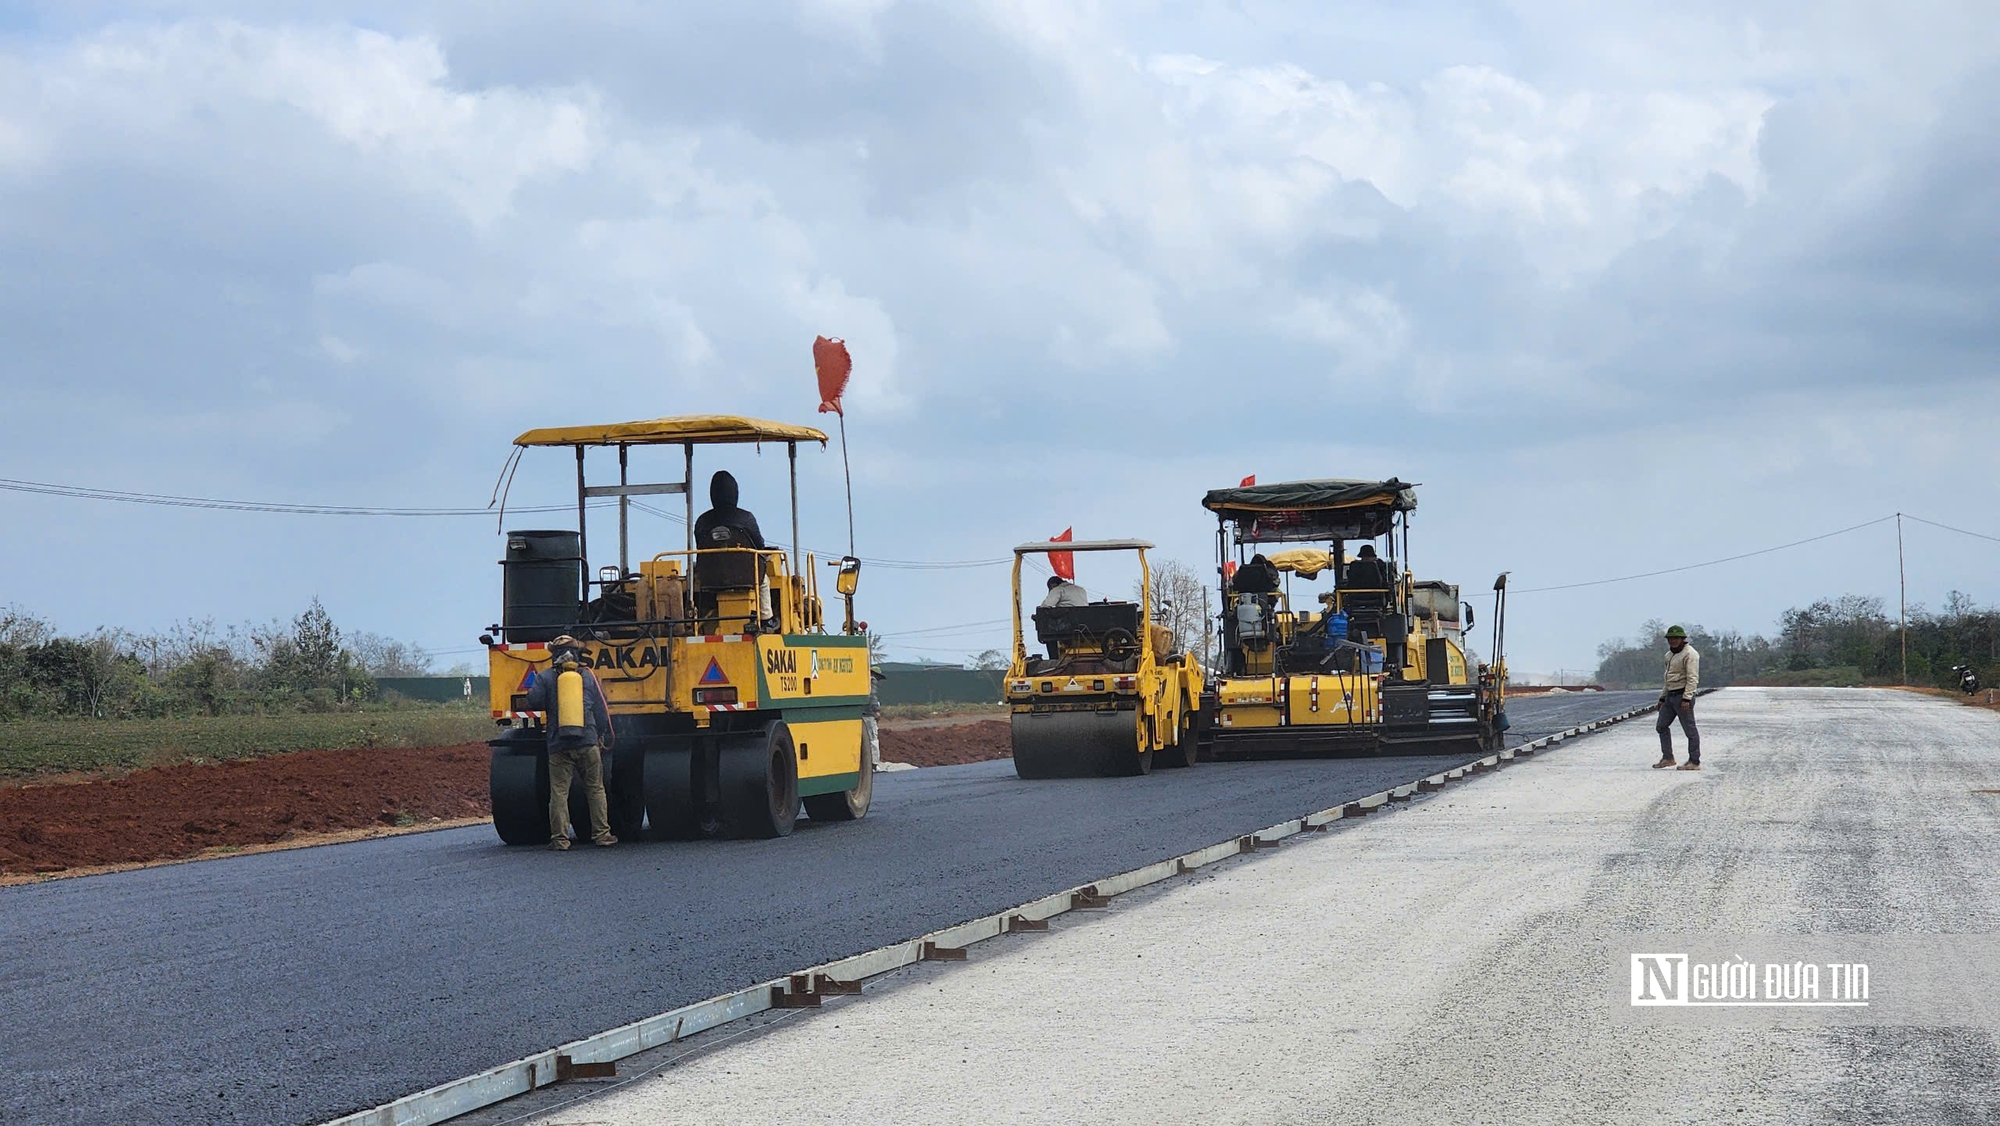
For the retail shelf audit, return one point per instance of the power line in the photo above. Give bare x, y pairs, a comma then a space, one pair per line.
891, 564
1949, 528
965, 649
172, 500
222, 504
1713, 562
966, 626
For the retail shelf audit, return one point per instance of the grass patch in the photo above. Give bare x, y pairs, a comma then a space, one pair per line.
1844, 676
44, 746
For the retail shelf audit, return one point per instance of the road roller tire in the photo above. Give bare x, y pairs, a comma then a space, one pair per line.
518, 785
1077, 745
673, 787
758, 772
625, 792
848, 805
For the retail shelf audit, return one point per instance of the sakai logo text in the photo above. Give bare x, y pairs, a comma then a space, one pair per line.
781, 661
625, 657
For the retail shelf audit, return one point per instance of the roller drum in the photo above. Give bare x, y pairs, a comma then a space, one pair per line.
1185, 750
1078, 745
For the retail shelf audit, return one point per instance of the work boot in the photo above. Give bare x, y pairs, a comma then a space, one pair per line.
1688, 766
558, 844
1665, 760
607, 842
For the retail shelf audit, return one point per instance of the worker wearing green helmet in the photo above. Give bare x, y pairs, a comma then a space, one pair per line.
1677, 700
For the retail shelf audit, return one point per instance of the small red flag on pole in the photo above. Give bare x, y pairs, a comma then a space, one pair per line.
833, 365
1063, 563
831, 361
1246, 482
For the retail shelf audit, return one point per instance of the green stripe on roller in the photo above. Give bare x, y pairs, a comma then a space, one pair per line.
829, 784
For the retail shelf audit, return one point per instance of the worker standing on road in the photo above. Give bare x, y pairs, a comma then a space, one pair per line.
1677, 699
573, 741
1063, 592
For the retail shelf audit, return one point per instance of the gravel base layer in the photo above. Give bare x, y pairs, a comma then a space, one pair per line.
1443, 964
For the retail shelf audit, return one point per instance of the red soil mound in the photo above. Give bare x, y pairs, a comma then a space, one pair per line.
171, 812
175, 811
947, 746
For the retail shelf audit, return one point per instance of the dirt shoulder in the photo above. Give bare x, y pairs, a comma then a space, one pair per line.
187, 811
1984, 698
976, 740
174, 812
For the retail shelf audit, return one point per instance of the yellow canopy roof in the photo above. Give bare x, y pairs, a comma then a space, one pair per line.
1305, 561
686, 429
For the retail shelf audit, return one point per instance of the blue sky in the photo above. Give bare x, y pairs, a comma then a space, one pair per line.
1623, 286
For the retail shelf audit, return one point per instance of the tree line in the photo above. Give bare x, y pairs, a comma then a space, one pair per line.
193, 668
1847, 640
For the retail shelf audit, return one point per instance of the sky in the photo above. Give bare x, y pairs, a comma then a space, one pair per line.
1623, 287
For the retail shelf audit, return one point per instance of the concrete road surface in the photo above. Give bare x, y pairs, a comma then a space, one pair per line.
290, 987
1446, 963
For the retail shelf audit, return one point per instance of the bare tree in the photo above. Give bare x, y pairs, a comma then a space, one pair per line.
20, 629
1179, 603
384, 656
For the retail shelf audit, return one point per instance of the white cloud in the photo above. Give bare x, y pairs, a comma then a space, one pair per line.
1041, 226
390, 99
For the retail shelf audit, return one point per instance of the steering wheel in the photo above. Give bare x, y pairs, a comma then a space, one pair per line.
1120, 645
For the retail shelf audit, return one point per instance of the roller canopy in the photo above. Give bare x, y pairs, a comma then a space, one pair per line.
1042, 547
687, 429
1310, 496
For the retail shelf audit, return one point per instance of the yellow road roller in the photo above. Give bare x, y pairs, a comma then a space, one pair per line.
732, 702
1106, 696
1374, 662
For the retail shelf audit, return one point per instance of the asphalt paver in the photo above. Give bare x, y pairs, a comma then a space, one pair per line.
292, 987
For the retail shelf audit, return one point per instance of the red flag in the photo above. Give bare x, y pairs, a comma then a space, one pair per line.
831, 361
1229, 570
1248, 481
1063, 563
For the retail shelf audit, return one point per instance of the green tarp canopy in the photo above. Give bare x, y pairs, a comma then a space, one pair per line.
1248, 501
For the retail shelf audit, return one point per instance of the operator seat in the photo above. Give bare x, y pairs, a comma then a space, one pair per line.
719, 573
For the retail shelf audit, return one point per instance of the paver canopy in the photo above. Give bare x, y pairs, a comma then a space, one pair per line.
1309, 496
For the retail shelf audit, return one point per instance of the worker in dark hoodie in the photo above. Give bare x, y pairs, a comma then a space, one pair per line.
725, 525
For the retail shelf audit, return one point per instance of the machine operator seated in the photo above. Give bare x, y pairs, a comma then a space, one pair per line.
1064, 592
727, 525
1367, 580
1259, 576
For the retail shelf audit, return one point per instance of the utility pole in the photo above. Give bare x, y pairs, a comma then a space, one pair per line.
1902, 601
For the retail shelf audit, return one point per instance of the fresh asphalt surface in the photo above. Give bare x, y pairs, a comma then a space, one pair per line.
292, 987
